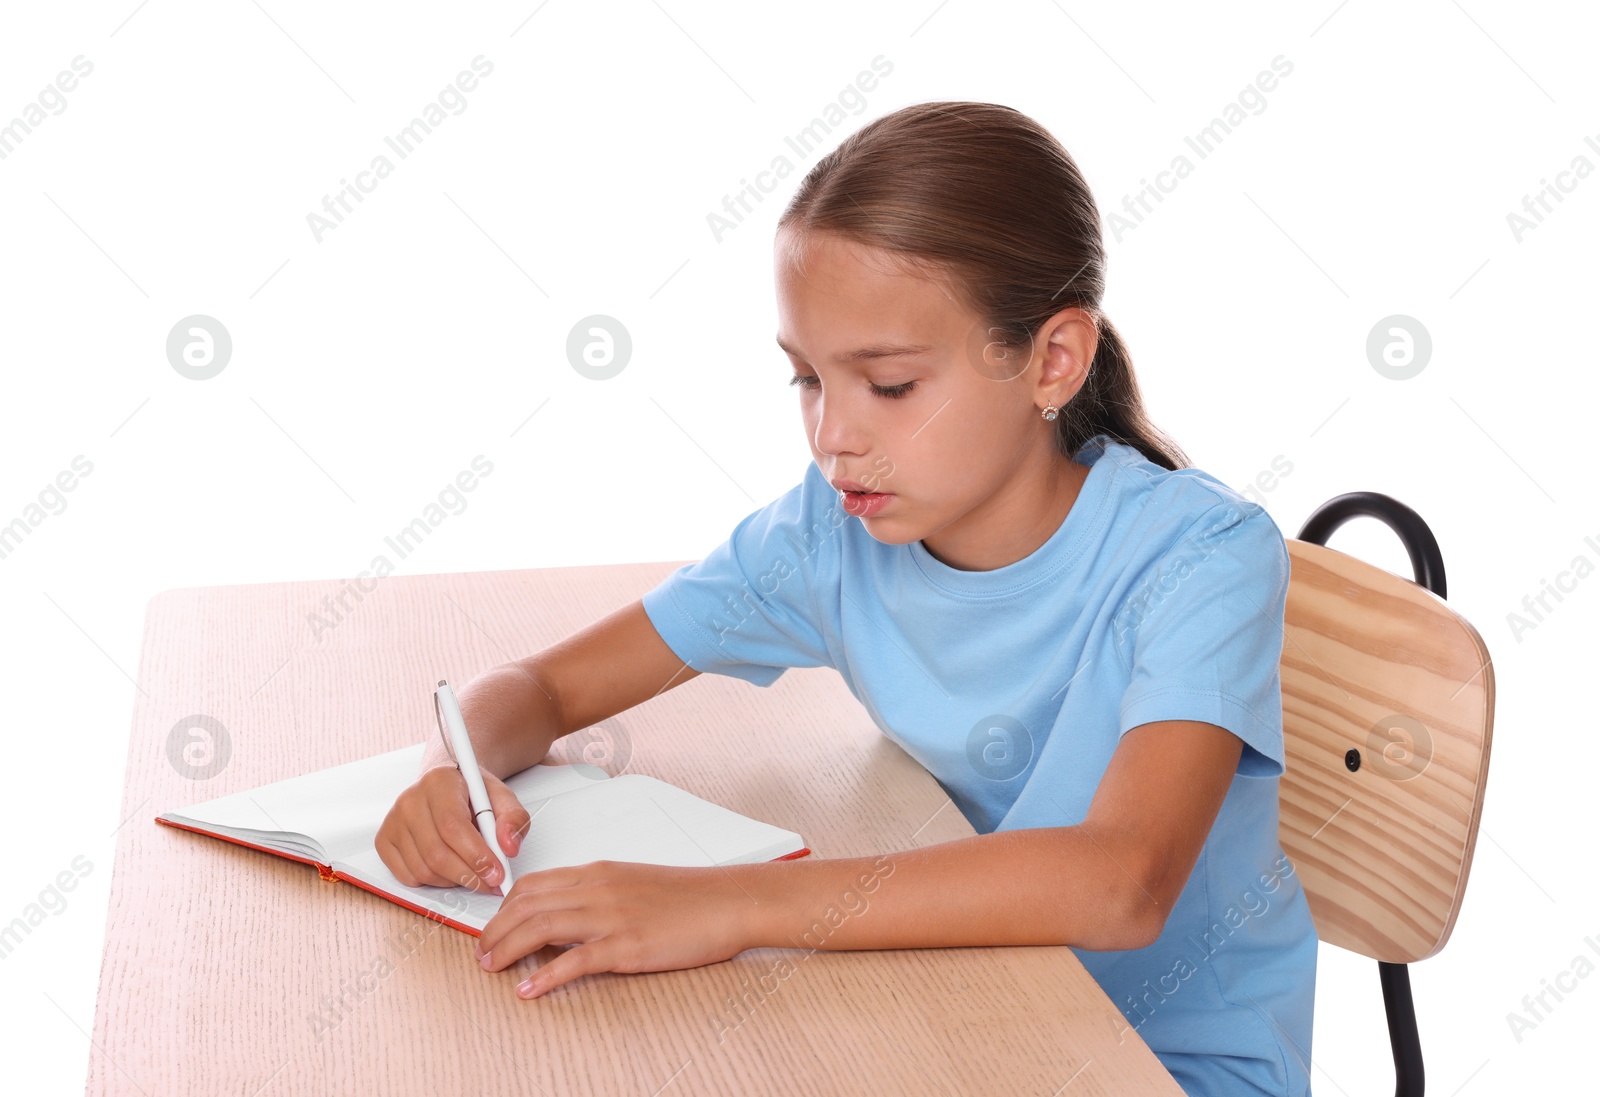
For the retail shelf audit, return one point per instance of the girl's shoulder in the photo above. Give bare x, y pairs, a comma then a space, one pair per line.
1184, 495
1163, 510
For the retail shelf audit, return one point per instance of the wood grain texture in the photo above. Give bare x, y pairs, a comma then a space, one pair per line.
1375, 663
228, 970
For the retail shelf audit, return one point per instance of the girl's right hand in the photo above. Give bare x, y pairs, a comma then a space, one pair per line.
428, 837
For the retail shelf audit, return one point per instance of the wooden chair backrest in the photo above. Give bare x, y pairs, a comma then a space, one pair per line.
1377, 664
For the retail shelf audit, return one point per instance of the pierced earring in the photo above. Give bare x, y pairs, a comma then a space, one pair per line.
1050, 411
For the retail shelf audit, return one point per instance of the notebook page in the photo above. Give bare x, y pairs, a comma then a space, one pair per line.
324, 805
628, 818
330, 812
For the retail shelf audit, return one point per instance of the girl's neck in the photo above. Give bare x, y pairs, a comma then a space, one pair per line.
1012, 523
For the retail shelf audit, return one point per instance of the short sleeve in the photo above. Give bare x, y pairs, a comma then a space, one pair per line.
749, 609
1203, 632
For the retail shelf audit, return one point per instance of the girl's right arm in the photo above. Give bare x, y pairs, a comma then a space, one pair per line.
515, 712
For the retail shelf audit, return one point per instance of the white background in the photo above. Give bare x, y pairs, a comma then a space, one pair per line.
370, 368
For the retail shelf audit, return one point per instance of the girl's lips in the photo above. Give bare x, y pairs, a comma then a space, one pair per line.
864, 504
848, 485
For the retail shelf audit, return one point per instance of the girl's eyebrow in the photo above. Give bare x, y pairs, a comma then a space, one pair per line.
870, 352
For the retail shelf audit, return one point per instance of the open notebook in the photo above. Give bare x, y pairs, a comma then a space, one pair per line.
330, 817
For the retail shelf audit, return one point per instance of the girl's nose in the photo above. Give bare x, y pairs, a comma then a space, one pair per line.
837, 431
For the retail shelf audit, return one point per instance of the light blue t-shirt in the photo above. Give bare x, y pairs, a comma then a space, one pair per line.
1159, 597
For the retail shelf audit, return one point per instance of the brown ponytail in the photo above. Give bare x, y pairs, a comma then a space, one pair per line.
987, 196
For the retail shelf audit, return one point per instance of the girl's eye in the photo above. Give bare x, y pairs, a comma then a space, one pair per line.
892, 392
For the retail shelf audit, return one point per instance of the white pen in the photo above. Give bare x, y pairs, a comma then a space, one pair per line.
477, 795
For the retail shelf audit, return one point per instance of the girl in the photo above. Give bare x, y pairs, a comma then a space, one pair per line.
1020, 579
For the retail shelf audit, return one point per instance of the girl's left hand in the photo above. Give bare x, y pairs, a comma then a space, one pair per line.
619, 916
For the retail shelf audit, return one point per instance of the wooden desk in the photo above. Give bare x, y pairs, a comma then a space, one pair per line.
227, 970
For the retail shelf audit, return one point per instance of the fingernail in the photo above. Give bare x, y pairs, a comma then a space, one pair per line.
484, 960
525, 988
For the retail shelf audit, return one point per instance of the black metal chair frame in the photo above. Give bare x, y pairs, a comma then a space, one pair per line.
1427, 565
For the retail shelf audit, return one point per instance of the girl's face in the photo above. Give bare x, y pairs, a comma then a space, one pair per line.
898, 392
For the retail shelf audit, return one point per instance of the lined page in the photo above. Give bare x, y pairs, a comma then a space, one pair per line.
628, 818
325, 806
332, 812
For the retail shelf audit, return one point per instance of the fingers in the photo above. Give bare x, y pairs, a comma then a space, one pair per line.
401, 857
511, 818
392, 860
415, 868
530, 892
393, 840
530, 934
457, 852
575, 962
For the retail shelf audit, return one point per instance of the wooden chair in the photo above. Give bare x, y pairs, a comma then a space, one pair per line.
1388, 706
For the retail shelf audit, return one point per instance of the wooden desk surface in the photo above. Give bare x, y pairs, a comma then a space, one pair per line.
228, 970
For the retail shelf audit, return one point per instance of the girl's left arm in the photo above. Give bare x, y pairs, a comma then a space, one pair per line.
1106, 883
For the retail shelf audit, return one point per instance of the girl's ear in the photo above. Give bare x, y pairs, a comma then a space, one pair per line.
1067, 344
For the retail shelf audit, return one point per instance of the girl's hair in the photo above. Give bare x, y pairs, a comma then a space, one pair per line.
989, 198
